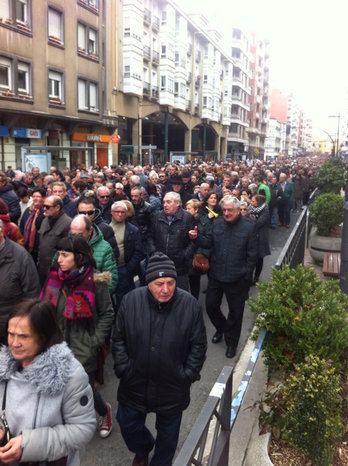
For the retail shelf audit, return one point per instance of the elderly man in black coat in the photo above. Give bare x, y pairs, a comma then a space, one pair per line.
159, 347
168, 233
233, 243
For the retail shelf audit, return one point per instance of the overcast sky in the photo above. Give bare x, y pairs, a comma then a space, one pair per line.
308, 46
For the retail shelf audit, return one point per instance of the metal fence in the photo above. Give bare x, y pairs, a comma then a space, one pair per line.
293, 252
199, 448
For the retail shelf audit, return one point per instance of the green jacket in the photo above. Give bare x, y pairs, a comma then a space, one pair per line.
104, 257
265, 188
84, 338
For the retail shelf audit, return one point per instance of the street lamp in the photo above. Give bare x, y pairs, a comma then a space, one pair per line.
338, 116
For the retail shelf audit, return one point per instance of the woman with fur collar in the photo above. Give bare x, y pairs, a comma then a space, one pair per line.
44, 391
84, 311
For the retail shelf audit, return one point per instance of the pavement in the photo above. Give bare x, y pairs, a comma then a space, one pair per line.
113, 451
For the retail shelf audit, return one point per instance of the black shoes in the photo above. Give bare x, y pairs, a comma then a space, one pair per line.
217, 337
230, 351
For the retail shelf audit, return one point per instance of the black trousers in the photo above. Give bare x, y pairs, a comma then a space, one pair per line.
236, 295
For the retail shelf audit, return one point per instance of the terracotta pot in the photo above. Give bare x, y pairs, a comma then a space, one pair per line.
318, 245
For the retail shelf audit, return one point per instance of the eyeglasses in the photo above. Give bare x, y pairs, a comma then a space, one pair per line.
45, 206
86, 212
104, 197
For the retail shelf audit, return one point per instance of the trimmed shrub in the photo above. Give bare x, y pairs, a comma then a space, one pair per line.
327, 212
330, 177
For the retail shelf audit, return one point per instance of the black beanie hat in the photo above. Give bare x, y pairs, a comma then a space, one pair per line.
159, 266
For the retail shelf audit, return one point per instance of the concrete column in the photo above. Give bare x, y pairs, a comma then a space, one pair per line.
188, 140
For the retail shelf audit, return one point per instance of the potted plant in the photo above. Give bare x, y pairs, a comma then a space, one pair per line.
306, 346
326, 214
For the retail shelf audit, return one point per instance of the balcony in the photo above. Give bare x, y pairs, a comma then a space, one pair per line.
146, 53
188, 105
198, 56
146, 89
147, 17
155, 58
189, 77
189, 50
155, 23
196, 109
197, 81
154, 92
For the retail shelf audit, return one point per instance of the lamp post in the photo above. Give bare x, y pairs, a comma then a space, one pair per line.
338, 116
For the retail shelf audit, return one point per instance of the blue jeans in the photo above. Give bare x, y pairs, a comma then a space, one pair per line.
139, 439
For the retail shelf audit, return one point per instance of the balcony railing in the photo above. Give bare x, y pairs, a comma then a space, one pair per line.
197, 81
147, 53
147, 16
154, 92
155, 57
189, 77
155, 23
196, 109
146, 89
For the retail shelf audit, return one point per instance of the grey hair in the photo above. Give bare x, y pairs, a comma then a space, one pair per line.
176, 196
230, 200
121, 204
103, 188
119, 186
135, 179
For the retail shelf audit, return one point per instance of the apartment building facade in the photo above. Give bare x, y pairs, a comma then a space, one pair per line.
259, 97
238, 142
53, 87
174, 91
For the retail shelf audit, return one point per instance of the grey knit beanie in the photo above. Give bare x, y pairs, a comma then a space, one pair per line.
160, 266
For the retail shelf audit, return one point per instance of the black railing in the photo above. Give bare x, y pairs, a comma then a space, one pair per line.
292, 253
217, 408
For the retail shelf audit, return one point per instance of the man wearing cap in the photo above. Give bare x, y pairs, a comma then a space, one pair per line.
177, 187
187, 184
159, 347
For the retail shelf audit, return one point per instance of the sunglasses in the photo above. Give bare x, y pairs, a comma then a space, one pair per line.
45, 206
86, 212
104, 197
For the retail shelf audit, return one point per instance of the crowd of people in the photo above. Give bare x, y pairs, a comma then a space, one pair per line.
115, 255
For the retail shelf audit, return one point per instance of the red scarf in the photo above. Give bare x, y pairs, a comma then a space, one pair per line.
79, 289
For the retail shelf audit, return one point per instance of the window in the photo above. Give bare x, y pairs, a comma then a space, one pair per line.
94, 4
23, 73
16, 12
87, 95
163, 51
171, 85
21, 11
55, 26
164, 17
55, 86
87, 40
163, 83
5, 73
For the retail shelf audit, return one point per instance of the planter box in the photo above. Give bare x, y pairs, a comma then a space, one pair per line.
318, 245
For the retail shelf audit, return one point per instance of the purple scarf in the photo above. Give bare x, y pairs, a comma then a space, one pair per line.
78, 288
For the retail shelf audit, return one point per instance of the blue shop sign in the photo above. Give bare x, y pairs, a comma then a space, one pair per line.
3, 131
27, 133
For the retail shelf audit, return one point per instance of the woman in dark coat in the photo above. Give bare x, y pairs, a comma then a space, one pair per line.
31, 221
259, 213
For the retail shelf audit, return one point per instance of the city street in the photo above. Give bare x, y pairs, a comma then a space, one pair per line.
112, 451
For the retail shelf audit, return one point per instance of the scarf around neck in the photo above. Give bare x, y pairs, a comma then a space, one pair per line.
256, 210
79, 289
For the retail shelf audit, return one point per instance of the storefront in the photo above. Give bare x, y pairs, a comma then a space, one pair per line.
22, 137
100, 155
